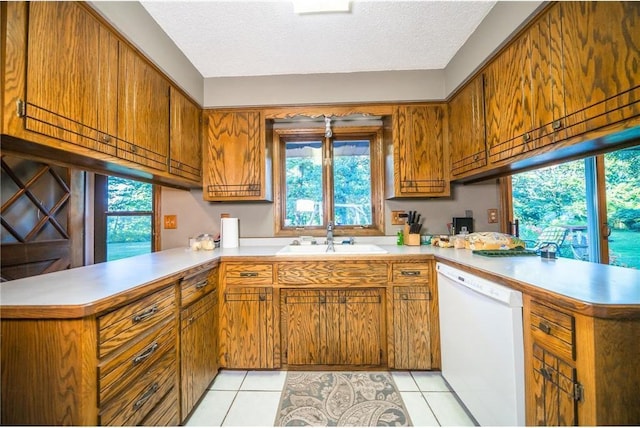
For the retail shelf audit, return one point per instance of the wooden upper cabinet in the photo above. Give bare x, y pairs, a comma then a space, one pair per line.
601, 62
237, 157
71, 76
143, 111
507, 83
574, 70
185, 144
467, 146
547, 87
418, 153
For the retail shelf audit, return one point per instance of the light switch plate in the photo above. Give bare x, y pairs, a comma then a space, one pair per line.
171, 221
492, 215
396, 220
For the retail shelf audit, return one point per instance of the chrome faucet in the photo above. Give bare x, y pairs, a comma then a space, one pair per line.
330, 237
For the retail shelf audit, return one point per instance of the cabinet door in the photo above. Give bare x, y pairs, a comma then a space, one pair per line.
235, 159
547, 96
361, 327
71, 85
185, 157
419, 154
199, 349
143, 111
301, 326
466, 129
601, 52
507, 83
555, 390
246, 328
411, 328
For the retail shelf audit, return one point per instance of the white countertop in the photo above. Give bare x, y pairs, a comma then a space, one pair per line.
586, 283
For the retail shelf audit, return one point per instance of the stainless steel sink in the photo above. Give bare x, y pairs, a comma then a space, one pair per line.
310, 250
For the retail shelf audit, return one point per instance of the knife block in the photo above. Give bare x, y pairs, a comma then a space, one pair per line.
410, 238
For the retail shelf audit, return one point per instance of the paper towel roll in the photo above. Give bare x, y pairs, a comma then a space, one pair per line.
229, 232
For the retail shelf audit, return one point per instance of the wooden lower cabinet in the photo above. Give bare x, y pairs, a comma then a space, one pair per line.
412, 328
113, 368
579, 369
554, 389
333, 327
198, 350
246, 328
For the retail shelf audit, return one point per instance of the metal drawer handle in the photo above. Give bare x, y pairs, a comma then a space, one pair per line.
146, 354
544, 327
545, 374
262, 297
557, 124
146, 314
526, 137
248, 274
145, 397
410, 273
201, 284
404, 297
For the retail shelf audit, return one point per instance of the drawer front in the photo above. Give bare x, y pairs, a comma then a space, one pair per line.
194, 287
166, 413
121, 325
410, 273
554, 329
338, 273
248, 273
134, 403
115, 373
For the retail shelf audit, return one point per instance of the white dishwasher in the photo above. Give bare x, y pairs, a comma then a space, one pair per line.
482, 346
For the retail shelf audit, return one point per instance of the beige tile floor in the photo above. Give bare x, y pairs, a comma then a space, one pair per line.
251, 398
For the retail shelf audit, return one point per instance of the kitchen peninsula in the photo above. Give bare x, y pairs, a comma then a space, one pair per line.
52, 324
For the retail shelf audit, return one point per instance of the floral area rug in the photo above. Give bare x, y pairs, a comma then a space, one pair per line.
341, 399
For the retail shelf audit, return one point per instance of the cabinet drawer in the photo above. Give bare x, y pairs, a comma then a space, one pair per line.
332, 273
121, 325
410, 273
553, 329
134, 403
196, 286
115, 373
248, 273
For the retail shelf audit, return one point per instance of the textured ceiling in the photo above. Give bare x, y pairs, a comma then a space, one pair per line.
261, 38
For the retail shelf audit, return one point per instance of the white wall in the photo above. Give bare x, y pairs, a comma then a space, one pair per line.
195, 216
385, 86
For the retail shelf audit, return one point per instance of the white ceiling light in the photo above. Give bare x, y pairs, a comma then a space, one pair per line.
321, 6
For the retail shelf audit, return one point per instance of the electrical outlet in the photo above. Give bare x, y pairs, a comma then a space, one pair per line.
171, 222
396, 219
493, 215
